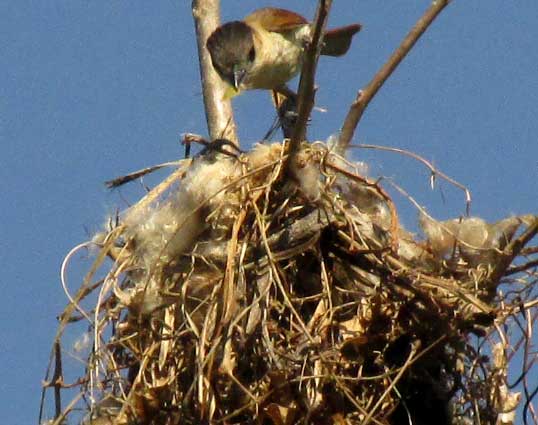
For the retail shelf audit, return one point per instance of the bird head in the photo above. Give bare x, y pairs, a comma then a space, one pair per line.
232, 51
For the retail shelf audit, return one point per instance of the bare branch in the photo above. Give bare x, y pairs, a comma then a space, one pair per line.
366, 95
523, 267
306, 84
57, 380
219, 114
513, 249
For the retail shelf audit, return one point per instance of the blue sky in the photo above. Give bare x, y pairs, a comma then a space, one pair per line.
94, 89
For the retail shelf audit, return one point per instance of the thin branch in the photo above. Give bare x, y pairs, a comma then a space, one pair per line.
120, 181
366, 95
57, 379
434, 171
521, 268
306, 91
512, 251
414, 348
219, 114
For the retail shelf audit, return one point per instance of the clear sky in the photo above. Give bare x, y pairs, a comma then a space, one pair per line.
94, 89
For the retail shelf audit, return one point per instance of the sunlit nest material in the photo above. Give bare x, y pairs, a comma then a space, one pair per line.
244, 291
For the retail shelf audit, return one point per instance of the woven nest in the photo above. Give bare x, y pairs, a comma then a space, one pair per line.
242, 291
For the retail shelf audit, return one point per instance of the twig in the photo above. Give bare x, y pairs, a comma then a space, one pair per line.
81, 293
414, 348
57, 379
63, 279
366, 95
512, 251
283, 244
521, 268
286, 110
216, 145
60, 420
119, 181
306, 90
517, 244
434, 171
219, 114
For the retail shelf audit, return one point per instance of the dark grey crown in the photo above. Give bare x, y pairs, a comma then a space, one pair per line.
231, 44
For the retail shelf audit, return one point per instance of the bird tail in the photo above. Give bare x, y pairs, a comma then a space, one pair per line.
336, 42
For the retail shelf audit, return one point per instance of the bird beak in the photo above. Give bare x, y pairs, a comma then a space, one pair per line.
239, 76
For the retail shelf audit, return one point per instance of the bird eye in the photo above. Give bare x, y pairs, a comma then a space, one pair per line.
251, 54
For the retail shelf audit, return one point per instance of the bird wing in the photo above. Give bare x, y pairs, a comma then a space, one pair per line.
275, 20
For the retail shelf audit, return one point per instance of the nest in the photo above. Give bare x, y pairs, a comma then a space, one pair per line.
243, 290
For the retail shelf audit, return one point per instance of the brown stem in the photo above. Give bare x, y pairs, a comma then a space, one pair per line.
523, 267
366, 95
512, 251
57, 380
306, 84
219, 114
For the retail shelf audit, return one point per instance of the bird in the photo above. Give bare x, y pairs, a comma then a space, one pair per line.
265, 50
